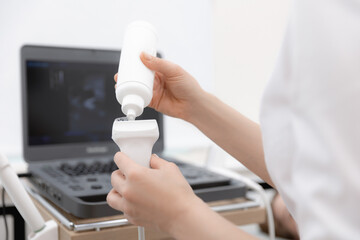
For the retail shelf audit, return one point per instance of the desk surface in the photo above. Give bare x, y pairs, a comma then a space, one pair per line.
238, 217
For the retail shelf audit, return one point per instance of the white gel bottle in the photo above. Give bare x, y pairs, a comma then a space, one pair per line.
135, 81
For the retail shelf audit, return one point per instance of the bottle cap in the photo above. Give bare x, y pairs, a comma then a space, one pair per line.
132, 106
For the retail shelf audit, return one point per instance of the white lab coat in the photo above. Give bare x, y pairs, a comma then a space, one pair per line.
310, 119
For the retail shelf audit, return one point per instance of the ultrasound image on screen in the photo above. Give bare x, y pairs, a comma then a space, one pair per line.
71, 102
87, 101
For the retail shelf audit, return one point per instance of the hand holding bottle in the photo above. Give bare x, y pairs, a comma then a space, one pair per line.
176, 93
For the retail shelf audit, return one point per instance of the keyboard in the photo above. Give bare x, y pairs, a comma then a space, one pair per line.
80, 186
197, 177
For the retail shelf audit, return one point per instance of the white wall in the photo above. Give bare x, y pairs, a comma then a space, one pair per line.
185, 35
247, 37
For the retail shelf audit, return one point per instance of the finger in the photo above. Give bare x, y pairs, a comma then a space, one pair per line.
157, 93
115, 200
157, 82
124, 163
116, 77
156, 162
118, 181
165, 67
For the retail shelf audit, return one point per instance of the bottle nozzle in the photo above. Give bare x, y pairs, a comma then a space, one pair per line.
131, 115
132, 106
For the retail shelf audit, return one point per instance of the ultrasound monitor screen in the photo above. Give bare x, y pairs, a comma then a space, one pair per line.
71, 102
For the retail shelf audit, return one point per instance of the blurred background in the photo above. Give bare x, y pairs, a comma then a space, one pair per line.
230, 46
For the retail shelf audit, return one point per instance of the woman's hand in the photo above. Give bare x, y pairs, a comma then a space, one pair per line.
155, 197
175, 93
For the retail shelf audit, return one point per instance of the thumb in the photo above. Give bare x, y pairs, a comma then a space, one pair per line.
165, 67
156, 162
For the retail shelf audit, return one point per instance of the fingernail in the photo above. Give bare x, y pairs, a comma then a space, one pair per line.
156, 155
147, 56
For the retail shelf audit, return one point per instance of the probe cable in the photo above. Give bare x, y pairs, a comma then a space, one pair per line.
255, 186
